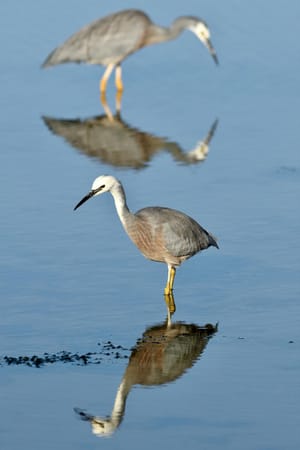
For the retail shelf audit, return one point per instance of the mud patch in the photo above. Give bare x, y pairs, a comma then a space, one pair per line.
105, 351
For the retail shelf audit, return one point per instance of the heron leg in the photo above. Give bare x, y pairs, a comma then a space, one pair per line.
119, 83
118, 101
170, 281
169, 299
106, 107
105, 77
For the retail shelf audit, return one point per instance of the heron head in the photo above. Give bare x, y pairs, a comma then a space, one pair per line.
100, 426
103, 427
201, 30
101, 184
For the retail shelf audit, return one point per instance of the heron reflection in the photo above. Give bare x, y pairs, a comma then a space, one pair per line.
112, 141
162, 355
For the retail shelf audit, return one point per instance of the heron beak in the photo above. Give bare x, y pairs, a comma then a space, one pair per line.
84, 199
212, 51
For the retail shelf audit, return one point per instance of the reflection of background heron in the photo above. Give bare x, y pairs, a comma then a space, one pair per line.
162, 355
116, 143
161, 234
108, 41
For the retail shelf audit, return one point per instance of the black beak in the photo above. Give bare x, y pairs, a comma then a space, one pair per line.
84, 199
212, 51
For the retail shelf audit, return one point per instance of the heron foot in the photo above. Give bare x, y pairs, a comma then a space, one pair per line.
170, 302
168, 290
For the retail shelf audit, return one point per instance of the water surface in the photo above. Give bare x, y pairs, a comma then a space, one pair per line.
72, 281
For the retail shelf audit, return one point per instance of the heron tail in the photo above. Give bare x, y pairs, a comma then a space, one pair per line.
213, 241
51, 59
65, 54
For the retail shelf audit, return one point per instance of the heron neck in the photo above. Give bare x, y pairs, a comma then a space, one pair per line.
120, 402
119, 196
161, 34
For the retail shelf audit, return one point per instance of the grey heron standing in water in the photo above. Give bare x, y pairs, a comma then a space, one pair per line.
110, 40
161, 234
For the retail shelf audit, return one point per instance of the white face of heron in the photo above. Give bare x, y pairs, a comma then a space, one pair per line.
201, 31
103, 427
102, 184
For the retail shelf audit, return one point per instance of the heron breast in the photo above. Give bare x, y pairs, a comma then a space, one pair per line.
150, 240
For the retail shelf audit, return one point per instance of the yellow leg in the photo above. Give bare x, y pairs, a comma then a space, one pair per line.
106, 107
105, 77
169, 299
118, 101
119, 83
170, 281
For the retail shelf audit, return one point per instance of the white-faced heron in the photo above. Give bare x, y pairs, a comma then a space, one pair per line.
161, 234
109, 40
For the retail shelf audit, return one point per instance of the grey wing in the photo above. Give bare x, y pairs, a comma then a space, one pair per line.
182, 235
105, 41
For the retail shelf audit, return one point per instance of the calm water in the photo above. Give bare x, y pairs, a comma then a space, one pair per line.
73, 281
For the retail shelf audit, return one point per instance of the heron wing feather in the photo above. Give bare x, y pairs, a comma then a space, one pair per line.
182, 235
105, 41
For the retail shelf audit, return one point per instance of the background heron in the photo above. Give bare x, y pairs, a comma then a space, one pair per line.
161, 234
109, 40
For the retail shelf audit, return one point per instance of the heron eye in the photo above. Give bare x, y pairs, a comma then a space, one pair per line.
98, 189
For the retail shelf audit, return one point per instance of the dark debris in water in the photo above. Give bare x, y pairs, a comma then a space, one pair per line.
106, 351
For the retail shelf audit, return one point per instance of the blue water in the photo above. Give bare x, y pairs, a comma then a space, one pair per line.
73, 280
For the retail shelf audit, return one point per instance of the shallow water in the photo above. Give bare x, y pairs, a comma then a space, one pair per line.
73, 282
